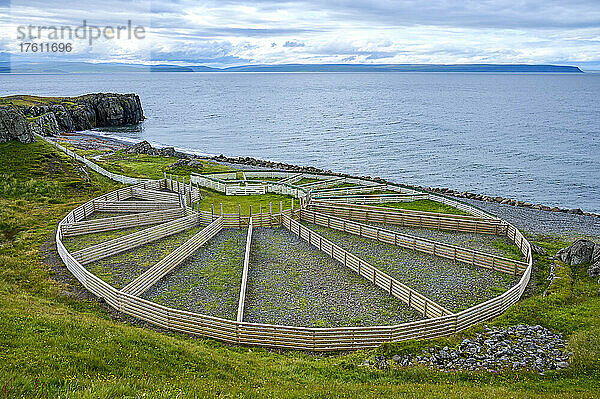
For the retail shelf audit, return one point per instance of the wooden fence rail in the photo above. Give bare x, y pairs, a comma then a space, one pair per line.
120, 222
133, 206
412, 298
243, 285
372, 199
155, 195
151, 276
429, 220
357, 207
328, 192
134, 240
437, 248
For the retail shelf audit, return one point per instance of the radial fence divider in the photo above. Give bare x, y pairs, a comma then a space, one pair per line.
160, 269
95, 167
133, 206
373, 199
428, 220
321, 202
292, 179
242, 299
428, 246
347, 190
323, 183
134, 240
412, 298
155, 195
120, 222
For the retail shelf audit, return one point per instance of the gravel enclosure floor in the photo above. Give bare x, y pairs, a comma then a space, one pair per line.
488, 243
76, 243
119, 270
209, 281
456, 286
544, 222
291, 282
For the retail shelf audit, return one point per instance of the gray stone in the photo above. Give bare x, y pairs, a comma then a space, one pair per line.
579, 252
45, 125
14, 126
594, 270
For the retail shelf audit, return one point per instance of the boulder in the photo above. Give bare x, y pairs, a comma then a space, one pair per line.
14, 126
143, 147
581, 251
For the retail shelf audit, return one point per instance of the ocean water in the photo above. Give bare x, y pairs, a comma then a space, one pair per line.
534, 137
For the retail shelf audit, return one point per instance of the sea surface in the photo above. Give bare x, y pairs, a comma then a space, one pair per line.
534, 137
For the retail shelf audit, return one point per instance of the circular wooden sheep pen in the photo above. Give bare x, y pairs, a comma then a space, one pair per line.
168, 206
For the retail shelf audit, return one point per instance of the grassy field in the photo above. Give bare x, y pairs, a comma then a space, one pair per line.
56, 344
153, 167
231, 204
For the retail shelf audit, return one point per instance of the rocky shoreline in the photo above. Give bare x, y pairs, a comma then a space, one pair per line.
21, 117
144, 147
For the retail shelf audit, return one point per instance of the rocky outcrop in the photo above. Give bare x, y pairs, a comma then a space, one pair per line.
50, 116
143, 147
14, 126
581, 251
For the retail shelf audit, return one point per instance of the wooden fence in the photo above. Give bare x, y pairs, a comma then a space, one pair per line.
120, 222
406, 218
248, 189
244, 284
172, 260
134, 240
412, 298
372, 199
290, 337
95, 167
431, 247
133, 206
330, 192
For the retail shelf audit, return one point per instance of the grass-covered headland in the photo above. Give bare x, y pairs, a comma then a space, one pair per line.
57, 342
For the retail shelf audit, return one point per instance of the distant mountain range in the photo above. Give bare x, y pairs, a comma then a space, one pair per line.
85, 67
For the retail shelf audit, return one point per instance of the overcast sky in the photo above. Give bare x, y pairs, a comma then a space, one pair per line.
231, 32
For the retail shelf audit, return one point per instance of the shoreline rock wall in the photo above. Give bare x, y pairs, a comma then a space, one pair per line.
24, 115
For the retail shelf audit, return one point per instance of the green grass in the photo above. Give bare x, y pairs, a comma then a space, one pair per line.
307, 180
27, 101
53, 344
84, 153
153, 167
231, 203
425, 206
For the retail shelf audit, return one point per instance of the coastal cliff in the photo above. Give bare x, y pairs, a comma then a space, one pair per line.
22, 116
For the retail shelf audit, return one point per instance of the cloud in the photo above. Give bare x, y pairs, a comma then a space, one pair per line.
233, 32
